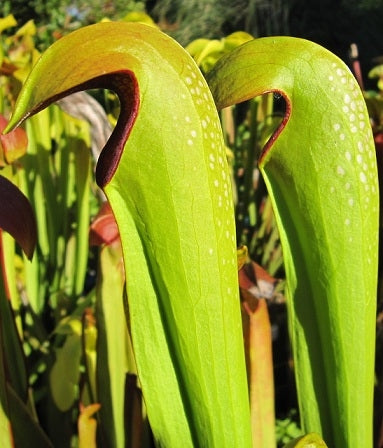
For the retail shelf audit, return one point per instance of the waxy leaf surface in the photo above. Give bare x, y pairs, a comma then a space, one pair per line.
170, 193
320, 170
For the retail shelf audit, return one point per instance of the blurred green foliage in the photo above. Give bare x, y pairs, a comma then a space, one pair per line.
54, 18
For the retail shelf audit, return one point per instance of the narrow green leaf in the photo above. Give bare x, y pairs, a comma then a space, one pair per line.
112, 364
170, 194
26, 430
320, 170
65, 373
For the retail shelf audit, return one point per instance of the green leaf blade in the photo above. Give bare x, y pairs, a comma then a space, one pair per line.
322, 179
170, 193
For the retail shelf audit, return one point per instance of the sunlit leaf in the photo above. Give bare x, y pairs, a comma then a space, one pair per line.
7, 22
171, 196
13, 145
320, 170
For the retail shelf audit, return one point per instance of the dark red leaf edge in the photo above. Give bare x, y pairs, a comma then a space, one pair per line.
17, 217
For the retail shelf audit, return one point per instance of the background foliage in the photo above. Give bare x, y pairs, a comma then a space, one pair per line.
333, 24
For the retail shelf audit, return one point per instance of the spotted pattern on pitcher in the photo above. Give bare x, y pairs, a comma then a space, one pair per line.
356, 130
215, 157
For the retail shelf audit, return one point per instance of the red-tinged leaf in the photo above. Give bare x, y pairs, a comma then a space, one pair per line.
258, 282
17, 217
103, 229
255, 285
258, 349
12, 145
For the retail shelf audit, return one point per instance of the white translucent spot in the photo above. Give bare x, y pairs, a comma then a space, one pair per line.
347, 222
193, 133
342, 136
212, 166
362, 177
343, 80
188, 80
331, 78
359, 158
211, 157
190, 142
204, 124
211, 251
354, 129
332, 189
187, 119
345, 109
352, 117
347, 98
348, 155
360, 146
351, 202
340, 170
216, 183
347, 186
362, 124
339, 72
336, 126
